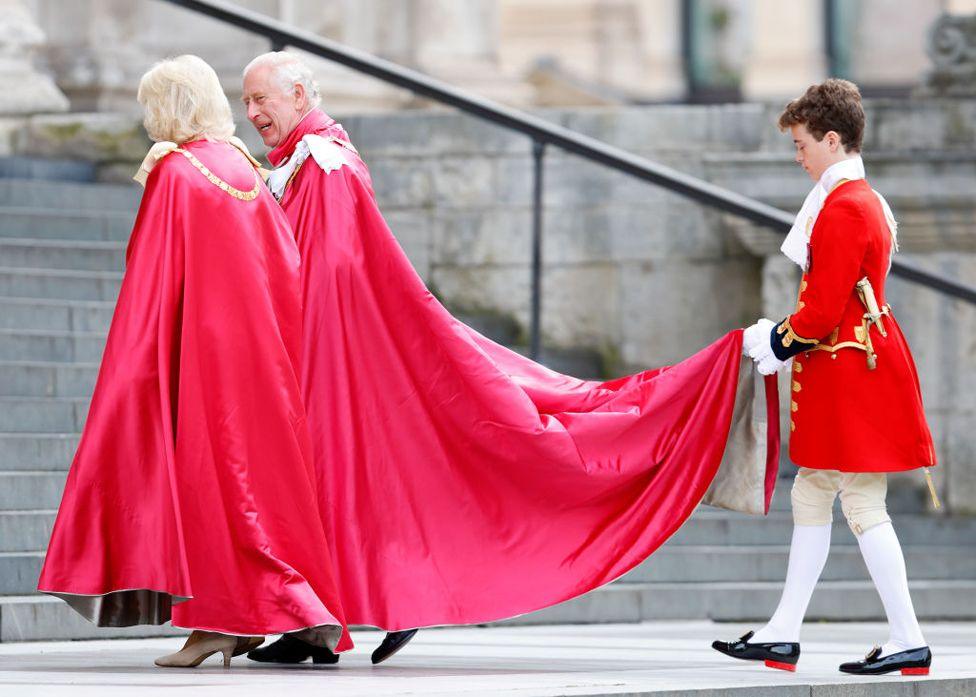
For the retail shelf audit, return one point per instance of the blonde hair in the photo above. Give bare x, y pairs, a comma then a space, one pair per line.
288, 71
184, 101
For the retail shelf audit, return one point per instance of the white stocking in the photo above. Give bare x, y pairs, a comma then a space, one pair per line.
808, 554
886, 564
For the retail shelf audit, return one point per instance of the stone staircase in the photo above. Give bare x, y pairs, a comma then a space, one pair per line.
62, 244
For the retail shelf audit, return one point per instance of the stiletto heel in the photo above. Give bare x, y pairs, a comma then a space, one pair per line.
246, 644
200, 646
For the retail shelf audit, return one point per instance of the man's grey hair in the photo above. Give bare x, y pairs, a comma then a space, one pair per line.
288, 71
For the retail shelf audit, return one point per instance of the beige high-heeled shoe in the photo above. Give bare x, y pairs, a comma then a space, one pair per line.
247, 643
201, 645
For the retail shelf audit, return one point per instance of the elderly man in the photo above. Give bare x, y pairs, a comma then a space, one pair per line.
279, 94
460, 482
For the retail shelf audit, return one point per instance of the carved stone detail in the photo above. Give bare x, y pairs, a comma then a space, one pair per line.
952, 48
29, 91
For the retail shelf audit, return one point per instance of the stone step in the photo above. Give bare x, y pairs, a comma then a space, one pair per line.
752, 602
38, 617
687, 563
30, 223
51, 347
70, 196
55, 315
19, 572
42, 379
25, 531
62, 254
42, 414
710, 527
60, 283
735, 565
29, 491
47, 452
44, 169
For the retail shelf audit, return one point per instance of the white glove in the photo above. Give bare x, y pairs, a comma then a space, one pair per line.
769, 364
756, 344
757, 337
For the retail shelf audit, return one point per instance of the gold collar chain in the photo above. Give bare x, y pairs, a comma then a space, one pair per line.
217, 181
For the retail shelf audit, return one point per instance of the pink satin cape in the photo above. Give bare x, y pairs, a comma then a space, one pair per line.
461, 482
193, 475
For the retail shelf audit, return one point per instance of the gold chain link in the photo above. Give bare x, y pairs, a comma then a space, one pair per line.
217, 181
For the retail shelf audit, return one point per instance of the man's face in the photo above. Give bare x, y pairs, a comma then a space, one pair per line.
273, 111
816, 156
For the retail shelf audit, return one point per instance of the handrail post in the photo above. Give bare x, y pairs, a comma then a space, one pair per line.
535, 318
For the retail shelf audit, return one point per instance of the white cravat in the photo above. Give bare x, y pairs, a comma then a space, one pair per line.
795, 244
327, 153
280, 175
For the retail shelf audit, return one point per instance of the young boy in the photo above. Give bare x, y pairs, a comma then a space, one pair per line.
856, 409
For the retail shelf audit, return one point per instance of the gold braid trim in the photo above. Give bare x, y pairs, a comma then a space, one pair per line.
834, 348
791, 336
217, 181
293, 175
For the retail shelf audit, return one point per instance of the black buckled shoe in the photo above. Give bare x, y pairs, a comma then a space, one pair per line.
288, 649
911, 662
392, 642
779, 655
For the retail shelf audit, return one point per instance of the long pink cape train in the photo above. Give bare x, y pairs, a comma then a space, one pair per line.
461, 482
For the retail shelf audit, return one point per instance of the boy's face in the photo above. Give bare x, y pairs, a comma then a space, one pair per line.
816, 156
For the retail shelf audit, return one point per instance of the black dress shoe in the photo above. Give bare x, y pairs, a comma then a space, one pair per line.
911, 662
392, 642
781, 655
288, 649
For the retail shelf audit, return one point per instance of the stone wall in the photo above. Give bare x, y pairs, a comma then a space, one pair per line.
623, 260
523, 52
641, 275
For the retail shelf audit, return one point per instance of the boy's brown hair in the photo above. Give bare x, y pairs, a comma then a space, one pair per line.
833, 105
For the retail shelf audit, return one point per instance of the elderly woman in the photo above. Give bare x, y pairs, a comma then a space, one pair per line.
193, 471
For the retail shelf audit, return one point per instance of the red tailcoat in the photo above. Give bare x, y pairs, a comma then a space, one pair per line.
193, 472
462, 482
843, 415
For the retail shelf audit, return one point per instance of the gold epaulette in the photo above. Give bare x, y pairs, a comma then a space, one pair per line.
791, 336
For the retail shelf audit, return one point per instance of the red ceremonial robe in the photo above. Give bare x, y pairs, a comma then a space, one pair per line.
193, 472
843, 415
461, 482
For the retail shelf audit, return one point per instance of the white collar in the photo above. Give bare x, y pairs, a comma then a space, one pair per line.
795, 244
280, 175
329, 153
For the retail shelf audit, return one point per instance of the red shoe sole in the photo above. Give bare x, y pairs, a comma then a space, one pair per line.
781, 666
914, 671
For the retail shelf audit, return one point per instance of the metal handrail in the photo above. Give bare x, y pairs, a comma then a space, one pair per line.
539, 130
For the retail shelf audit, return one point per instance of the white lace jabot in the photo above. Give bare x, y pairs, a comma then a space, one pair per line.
795, 244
